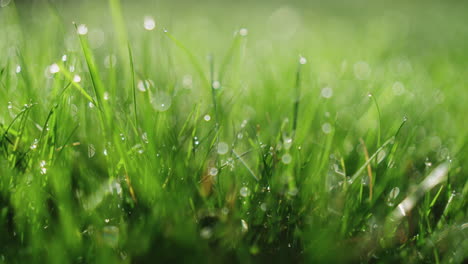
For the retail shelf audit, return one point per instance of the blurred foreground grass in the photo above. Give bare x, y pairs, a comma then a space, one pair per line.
247, 132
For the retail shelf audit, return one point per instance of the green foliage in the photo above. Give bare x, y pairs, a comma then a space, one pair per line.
315, 133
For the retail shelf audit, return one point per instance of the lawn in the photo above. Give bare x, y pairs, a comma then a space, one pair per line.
233, 132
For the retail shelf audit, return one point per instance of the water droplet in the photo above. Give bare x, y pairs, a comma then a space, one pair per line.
96, 38
76, 78
110, 61
34, 144
207, 118
362, 70
106, 96
302, 60
244, 191
206, 233
144, 85
293, 191
287, 143
165, 30
10, 105
398, 88
4, 3
263, 207
187, 81
161, 101
91, 150
326, 128
216, 85
286, 158
107, 220
122, 137
428, 163
90, 105
243, 32
244, 123
18, 68
110, 235
64, 57
82, 29
116, 187
54, 68
225, 211
327, 92
42, 165
105, 152
213, 171
394, 193
245, 226
144, 137
223, 148
149, 23
381, 156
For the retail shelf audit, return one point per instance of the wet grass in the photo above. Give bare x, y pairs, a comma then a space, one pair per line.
303, 133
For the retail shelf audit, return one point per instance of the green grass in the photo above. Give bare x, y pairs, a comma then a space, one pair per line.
238, 133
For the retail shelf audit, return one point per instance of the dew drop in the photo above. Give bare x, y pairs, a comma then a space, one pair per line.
302, 60
207, 118
326, 128
327, 92
144, 137
206, 233
4, 3
110, 61
82, 29
362, 70
223, 148
428, 163
244, 191
42, 165
187, 81
216, 85
149, 23
293, 191
34, 144
76, 78
287, 143
243, 32
398, 88
91, 150
161, 101
18, 69
54, 68
213, 171
286, 158
245, 226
